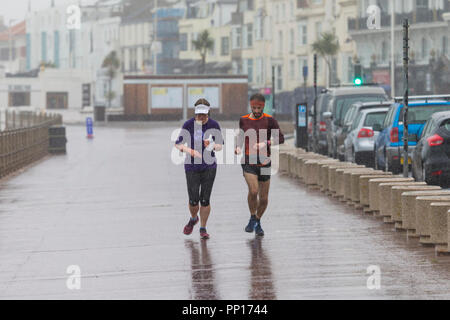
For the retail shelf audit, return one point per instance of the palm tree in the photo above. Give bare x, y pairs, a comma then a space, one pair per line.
203, 43
327, 46
111, 63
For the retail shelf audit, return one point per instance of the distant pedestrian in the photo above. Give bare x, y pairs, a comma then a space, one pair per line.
257, 129
200, 137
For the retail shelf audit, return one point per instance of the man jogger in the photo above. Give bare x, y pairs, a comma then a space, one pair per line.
256, 131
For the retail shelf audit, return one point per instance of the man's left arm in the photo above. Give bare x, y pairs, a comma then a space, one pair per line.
278, 138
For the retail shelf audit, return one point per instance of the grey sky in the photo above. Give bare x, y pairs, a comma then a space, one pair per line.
16, 9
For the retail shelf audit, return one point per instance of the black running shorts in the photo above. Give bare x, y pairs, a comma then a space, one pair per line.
263, 172
200, 184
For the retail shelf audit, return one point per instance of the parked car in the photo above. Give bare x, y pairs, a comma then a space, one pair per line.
321, 133
350, 117
388, 147
431, 157
340, 101
358, 145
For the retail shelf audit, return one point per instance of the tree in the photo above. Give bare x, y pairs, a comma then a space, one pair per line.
327, 47
203, 43
111, 63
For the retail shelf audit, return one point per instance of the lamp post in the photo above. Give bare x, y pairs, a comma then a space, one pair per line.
155, 37
392, 4
273, 90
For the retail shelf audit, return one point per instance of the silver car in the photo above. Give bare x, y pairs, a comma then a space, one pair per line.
359, 143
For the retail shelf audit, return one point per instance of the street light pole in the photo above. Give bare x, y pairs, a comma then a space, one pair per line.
392, 49
155, 37
273, 90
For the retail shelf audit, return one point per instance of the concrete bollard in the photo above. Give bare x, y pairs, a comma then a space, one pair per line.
446, 250
302, 159
312, 170
438, 212
355, 184
346, 185
409, 208
364, 188
333, 181
384, 197
293, 161
340, 180
396, 202
373, 190
284, 161
423, 218
324, 171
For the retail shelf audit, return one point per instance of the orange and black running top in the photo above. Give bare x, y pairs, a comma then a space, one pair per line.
255, 131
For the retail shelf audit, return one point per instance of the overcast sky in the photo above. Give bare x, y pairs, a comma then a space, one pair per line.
16, 9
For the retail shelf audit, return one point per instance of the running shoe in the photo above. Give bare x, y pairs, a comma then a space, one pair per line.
258, 230
190, 226
251, 225
203, 234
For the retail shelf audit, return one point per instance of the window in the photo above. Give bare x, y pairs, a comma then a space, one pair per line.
318, 30
19, 99
277, 12
302, 62
133, 59
259, 70
384, 52
183, 42
349, 69
280, 41
249, 35
291, 41
211, 51
421, 114
250, 70
279, 74
225, 46
236, 41
259, 27
424, 49
374, 118
445, 45
57, 100
292, 69
302, 34
355, 123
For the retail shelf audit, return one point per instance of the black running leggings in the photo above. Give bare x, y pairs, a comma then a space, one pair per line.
200, 184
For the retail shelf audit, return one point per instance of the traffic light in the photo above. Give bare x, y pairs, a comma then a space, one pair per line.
357, 79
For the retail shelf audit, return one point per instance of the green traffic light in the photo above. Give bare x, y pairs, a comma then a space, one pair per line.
357, 81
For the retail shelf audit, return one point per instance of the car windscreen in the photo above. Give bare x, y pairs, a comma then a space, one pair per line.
344, 103
420, 114
374, 118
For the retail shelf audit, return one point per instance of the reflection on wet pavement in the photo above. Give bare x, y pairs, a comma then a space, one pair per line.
203, 281
261, 273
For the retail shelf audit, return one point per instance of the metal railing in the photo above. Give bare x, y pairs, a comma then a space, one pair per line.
25, 139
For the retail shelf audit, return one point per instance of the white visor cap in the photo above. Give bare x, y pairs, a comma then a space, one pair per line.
202, 109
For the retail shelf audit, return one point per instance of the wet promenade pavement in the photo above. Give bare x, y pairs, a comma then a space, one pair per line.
116, 206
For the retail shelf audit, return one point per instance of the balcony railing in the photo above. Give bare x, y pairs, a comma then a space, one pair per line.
419, 16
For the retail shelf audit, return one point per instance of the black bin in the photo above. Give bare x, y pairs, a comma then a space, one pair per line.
57, 139
99, 113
